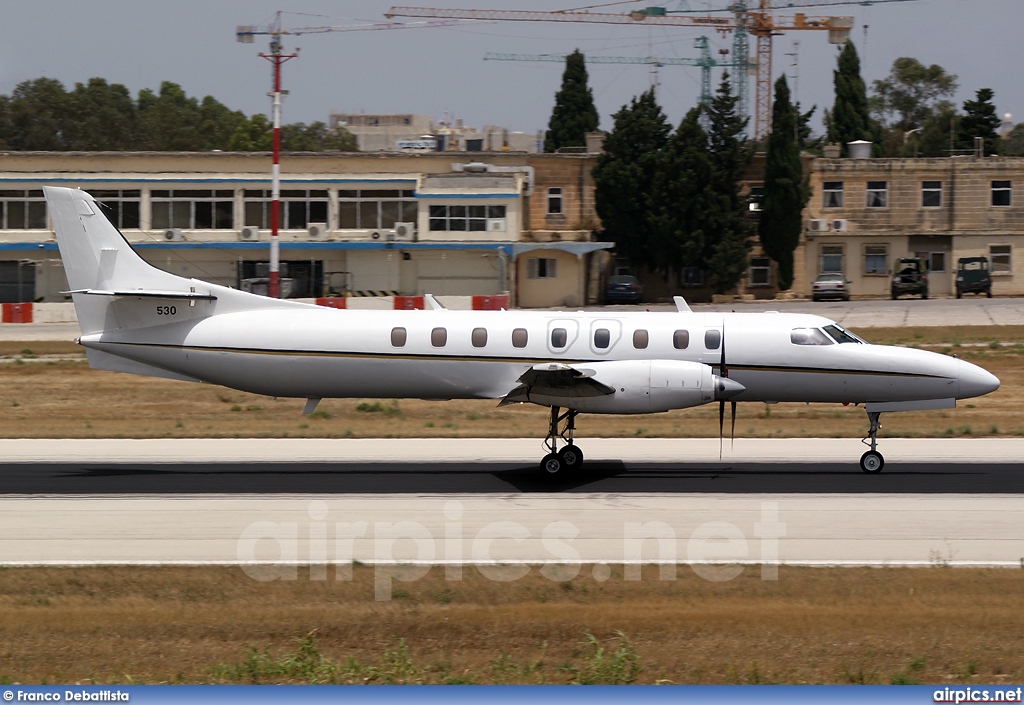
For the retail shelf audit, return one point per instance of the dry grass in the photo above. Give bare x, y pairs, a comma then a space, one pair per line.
43, 393
931, 625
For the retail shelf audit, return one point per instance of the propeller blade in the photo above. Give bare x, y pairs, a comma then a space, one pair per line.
732, 438
721, 426
722, 369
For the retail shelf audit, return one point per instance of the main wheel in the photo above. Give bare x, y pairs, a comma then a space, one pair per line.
571, 457
552, 464
872, 462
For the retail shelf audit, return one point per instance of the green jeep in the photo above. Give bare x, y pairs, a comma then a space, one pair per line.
910, 276
972, 275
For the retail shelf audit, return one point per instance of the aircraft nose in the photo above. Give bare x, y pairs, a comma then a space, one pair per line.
726, 388
975, 381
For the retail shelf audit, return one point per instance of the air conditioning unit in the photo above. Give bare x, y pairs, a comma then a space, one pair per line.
816, 225
317, 231
496, 225
173, 235
840, 225
250, 233
405, 232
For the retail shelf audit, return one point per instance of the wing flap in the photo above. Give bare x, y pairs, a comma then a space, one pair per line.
556, 379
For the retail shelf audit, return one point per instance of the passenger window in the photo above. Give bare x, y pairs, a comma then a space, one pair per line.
438, 337
398, 337
479, 337
808, 336
558, 337
602, 337
640, 339
519, 338
712, 339
681, 339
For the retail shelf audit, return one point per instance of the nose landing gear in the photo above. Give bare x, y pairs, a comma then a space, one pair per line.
570, 457
872, 461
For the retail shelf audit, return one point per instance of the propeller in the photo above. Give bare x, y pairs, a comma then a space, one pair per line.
723, 372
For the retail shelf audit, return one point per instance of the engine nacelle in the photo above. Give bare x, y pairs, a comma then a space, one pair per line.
644, 386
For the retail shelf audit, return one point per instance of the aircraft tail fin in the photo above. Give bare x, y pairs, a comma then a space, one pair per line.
99, 263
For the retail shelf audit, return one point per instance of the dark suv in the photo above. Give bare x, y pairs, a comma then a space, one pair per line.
910, 277
972, 275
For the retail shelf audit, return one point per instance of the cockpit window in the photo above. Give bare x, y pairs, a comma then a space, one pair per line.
841, 335
808, 336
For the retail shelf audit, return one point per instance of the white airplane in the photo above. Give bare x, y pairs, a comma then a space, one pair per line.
139, 319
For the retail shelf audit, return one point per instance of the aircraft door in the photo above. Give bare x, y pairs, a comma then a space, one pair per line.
604, 334
709, 341
562, 333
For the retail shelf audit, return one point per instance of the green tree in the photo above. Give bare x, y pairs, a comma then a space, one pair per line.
253, 135
5, 121
217, 123
37, 115
849, 119
729, 229
574, 114
911, 93
624, 176
979, 120
1012, 145
934, 138
99, 116
168, 121
786, 190
316, 137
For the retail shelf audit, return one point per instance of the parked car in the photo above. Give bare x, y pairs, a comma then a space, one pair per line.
972, 275
910, 277
830, 286
623, 289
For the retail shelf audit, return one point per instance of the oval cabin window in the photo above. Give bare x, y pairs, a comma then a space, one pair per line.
519, 338
558, 337
681, 339
479, 337
398, 336
602, 337
641, 339
438, 337
712, 339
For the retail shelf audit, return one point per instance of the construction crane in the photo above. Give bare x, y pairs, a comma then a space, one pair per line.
705, 61
759, 23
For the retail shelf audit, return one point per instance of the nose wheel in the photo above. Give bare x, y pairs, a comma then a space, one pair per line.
570, 457
872, 461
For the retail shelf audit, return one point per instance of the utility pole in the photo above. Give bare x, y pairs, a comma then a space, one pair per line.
277, 59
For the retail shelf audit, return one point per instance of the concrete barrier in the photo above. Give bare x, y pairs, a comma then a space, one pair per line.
55, 313
17, 313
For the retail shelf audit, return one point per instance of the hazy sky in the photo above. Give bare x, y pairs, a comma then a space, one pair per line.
430, 71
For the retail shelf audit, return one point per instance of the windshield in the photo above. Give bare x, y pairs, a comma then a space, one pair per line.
808, 336
841, 335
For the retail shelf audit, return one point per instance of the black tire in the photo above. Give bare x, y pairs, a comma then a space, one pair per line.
552, 466
895, 295
571, 457
924, 294
872, 462
988, 293
959, 293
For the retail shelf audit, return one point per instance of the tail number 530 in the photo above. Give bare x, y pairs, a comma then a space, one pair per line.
166, 310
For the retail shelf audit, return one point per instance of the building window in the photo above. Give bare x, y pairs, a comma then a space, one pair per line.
692, 276
935, 261
559, 337
398, 337
370, 209
931, 194
555, 200
439, 337
479, 337
519, 338
831, 258
193, 209
832, 194
877, 194
641, 339
466, 218
999, 256
1002, 193
22, 210
120, 207
298, 208
681, 339
541, 268
876, 258
602, 338
760, 271
755, 198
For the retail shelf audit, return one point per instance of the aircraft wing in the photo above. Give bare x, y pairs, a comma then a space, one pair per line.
556, 379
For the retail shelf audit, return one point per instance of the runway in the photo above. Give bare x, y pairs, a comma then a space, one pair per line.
286, 502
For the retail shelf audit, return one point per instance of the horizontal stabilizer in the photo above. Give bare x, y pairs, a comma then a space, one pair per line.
147, 293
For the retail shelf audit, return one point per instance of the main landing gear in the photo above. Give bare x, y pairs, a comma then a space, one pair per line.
560, 462
872, 461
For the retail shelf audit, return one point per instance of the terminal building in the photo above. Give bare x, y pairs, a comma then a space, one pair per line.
443, 223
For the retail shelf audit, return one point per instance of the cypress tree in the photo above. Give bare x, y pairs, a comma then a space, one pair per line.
624, 177
979, 120
785, 189
850, 119
574, 114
